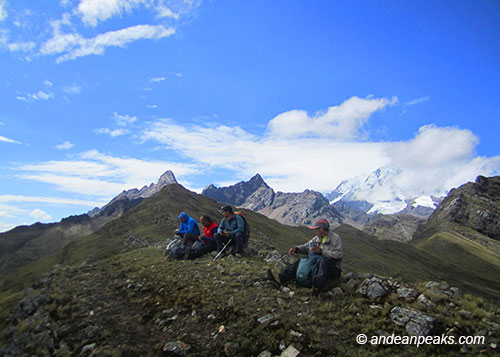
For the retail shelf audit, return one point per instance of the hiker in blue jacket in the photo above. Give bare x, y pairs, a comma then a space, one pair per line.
326, 244
187, 233
188, 229
232, 227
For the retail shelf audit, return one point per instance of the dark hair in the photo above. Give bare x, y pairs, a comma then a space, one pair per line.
210, 220
227, 209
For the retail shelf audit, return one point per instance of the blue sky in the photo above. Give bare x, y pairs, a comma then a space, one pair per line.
101, 96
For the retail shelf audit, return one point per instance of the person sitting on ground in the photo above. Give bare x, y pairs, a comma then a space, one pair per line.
187, 233
231, 228
325, 243
205, 242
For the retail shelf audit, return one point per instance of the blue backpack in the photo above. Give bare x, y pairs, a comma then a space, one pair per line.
308, 267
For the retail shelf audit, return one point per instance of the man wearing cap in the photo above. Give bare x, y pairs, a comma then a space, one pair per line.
232, 227
326, 243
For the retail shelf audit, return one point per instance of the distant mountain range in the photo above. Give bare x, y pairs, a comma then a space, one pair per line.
133, 194
26, 244
84, 289
293, 209
377, 193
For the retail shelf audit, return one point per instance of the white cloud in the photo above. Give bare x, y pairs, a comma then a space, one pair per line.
112, 133
65, 146
7, 140
434, 146
123, 120
151, 106
288, 165
417, 101
2, 123
73, 45
8, 211
434, 161
101, 176
48, 83
39, 214
47, 200
3, 12
342, 122
73, 89
157, 79
21, 46
40, 95
163, 11
93, 11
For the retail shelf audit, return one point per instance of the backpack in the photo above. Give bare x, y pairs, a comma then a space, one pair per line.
307, 269
246, 225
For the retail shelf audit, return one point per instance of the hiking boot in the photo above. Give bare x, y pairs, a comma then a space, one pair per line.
315, 292
275, 279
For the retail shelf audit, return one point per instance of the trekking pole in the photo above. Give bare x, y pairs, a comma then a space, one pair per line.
223, 249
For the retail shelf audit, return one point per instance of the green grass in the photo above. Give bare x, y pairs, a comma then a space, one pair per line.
140, 302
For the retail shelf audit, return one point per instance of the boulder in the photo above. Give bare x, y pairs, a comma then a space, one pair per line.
415, 322
373, 288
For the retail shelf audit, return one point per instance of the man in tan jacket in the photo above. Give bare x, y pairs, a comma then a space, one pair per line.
325, 243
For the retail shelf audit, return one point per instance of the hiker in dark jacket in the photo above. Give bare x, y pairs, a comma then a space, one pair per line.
232, 227
205, 242
325, 243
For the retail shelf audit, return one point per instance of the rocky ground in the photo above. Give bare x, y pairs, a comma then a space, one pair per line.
135, 303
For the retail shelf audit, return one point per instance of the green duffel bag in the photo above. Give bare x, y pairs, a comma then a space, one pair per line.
308, 267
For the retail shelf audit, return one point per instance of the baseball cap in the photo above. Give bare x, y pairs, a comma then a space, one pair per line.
321, 223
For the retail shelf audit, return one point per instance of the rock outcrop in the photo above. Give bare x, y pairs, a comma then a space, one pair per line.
475, 205
293, 209
398, 227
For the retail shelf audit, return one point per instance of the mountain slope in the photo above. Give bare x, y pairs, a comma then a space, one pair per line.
112, 293
26, 244
379, 193
293, 209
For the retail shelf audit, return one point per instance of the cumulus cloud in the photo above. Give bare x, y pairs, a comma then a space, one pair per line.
112, 132
39, 214
101, 176
342, 122
73, 45
65, 146
124, 120
293, 158
434, 146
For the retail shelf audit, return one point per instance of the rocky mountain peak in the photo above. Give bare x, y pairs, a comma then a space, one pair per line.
474, 205
258, 181
289, 208
166, 179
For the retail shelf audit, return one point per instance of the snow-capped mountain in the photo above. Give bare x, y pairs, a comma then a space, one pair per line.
380, 193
